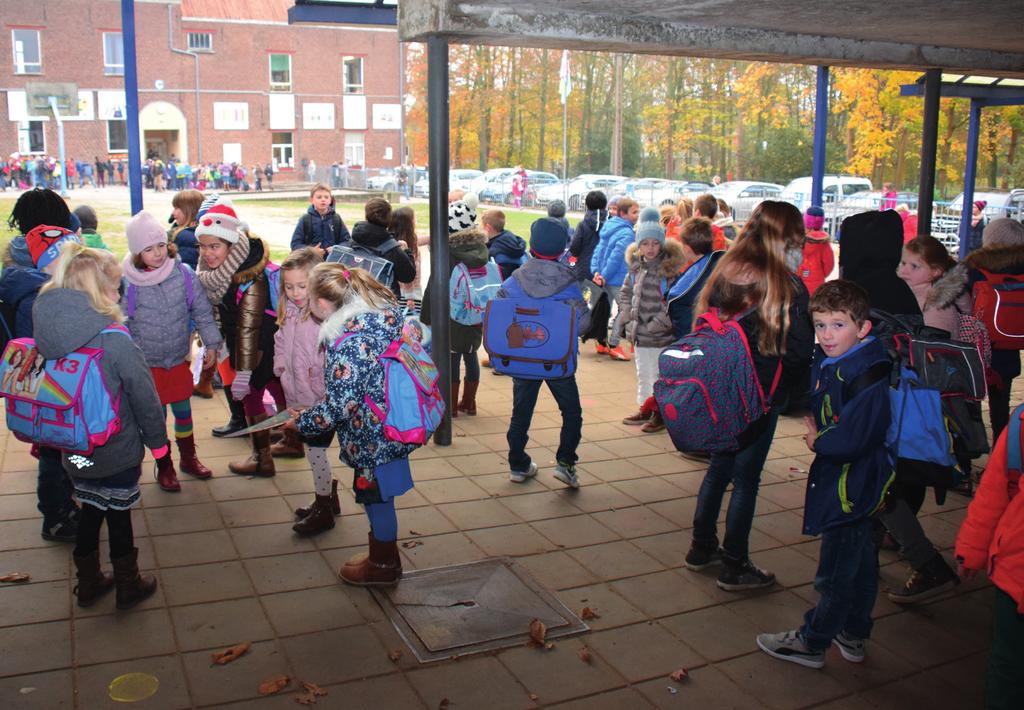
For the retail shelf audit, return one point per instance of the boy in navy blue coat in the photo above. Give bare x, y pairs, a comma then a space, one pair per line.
321, 227
851, 472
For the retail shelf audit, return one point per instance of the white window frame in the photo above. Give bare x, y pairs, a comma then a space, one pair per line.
279, 85
354, 88
199, 41
355, 153
112, 149
20, 67
278, 157
25, 127
110, 68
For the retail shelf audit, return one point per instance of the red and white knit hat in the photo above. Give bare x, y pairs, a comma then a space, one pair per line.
220, 221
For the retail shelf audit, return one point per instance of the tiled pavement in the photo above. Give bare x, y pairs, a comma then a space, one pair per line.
231, 570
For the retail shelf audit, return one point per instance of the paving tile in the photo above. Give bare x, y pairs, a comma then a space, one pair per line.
94, 681
337, 655
704, 687
880, 666
124, 635
193, 548
559, 674
663, 463
410, 499
616, 469
541, 506
273, 539
192, 492
391, 692
679, 511
575, 531
24, 534
18, 506
174, 520
786, 526
512, 540
789, 495
923, 641
556, 570
716, 632
610, 700
602, 496
913, 692
44, 564
689, 481
650, 489
219, 624
668, 548
308, 610
34, 602
612, 609
643, 651
635, 522
615, 560
441, 550
238, 680
53, 691
223, 488
41, 647
771, 609
284, 573
433, 469
962, 677
790, 567
662, 593
205, 583
774, 683
461, 684
477, 514
259, 511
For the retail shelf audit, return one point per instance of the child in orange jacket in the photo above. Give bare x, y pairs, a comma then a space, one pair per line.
819, 259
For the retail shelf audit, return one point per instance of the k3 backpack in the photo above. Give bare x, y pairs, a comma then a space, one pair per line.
707, 390
371, 259
999, 304
272, 272
471, 289
63, 403
532, 339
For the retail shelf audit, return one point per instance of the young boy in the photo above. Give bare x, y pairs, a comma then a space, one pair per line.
696, 236
321, 226
87, 218
851, 472
545, 277
507, 249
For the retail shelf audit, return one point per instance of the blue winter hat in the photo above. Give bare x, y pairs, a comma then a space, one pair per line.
649, 226
547, 238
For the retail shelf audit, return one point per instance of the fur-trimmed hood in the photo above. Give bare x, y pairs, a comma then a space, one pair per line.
338, 322
997, 259
469, 247
945, 291
254, 264
467, 237
671, 259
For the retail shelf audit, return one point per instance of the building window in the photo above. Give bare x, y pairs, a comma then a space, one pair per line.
355, 149
31, 137
280, 72
117, 136
282, 149
28, 53
352, 69
200, 41
113, 54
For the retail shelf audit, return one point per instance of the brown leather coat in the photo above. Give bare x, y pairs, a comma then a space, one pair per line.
248, 328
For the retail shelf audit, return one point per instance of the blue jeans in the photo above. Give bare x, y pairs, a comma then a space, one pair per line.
742, 468
847, 580
524, 400
53, 487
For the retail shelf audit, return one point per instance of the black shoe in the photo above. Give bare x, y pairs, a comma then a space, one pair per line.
739, 577
699, 557
63, 529
934, 578
233, 425
698, 456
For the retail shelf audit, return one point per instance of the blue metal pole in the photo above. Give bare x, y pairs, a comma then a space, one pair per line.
131, 97
970, 175
820, 136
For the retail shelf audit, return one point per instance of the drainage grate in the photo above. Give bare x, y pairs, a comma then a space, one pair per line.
472, 607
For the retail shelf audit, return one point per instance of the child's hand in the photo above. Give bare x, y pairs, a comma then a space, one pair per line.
812, 432
598, 280
209, 359
966, 573
295, 411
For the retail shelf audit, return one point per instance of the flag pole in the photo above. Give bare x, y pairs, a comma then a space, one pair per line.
564, 89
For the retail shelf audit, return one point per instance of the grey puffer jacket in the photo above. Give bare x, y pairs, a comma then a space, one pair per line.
161, 322
643, 297
65, 321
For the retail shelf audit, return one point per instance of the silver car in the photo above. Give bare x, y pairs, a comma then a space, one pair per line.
743, 196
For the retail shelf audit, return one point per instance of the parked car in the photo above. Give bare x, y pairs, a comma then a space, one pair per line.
387, 180
458, 179
865, 201
834, 188
1000, 203
499, 188
744, 195
642, 189
575, 191
482, 182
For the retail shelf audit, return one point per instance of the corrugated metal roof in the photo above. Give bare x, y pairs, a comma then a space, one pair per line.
274, 10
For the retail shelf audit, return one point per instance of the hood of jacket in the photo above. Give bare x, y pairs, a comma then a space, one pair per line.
595, 219
17, 254
997, 259
255, 262
509, 243
541, 278
670, 260
469, 247
16, 282
870, 242
312, 211
947, 289
370, 234
65, 321
359, 316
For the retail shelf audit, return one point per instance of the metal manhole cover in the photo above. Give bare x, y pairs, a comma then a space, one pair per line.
472, 607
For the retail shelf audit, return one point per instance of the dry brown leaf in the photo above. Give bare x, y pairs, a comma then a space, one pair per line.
587, 614
537, 632
230, 654
679, 676
413, 532
549, 645
274, 685
445, 702
16, 577
584, 654
395, 655
312, 688
409, 544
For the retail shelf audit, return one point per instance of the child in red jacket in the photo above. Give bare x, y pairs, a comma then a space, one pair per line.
819, 259
992, 539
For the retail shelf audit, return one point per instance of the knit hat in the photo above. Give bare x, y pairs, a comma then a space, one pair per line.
556, 209
613, 200
649, 226
44, 243
462, 213
547, 238
220, 221
144, 231
980, 205
814, 218
1003, 232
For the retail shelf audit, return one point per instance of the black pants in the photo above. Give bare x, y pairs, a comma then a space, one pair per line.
1004, 682
119, 530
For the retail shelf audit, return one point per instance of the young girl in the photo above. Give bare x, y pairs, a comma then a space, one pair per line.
299, 363
403, 226
654, 265
940, 289
232, 273
186, 209
754, 282
161, 304
72, 311
819, 259
360, 320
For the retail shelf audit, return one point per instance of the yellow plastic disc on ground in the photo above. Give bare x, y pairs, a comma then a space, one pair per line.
133, 687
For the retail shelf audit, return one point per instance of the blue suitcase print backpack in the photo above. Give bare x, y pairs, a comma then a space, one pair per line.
470, 289
531, 339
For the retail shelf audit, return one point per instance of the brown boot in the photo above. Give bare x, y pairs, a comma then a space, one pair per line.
455, 399
189, 461
260, 462
290, 446
92, 582
382, 566
166, 476
468, 403
305, 510
204, 388
320, 518
132, 587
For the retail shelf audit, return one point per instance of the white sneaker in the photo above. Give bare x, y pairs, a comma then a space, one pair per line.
566, 473
522, 476
851, 647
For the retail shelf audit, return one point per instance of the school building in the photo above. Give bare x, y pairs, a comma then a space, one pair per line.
219, 80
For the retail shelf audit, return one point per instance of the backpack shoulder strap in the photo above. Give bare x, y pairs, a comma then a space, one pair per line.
307, 227
130, 294
335, 224
116, 328
385, 246
879, 371
189, 276
1013, 443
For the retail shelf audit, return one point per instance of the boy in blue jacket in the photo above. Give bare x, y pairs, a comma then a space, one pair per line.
851, 472
321, 227
609, 263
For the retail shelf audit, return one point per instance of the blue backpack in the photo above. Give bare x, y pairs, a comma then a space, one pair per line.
273, 273
470, 290
532, 339
64, 403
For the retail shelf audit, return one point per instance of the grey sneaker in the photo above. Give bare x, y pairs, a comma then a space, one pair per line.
521, 476
851, 647
788, 646
566, 473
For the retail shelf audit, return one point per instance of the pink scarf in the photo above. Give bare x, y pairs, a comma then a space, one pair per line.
148, 277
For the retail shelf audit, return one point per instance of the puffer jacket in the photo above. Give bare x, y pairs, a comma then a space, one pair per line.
20, 284
469, 247
643, 297
508, 251
944, 299
991, 537
584, 242
64, 322
298, 359
819, 260
609, 258
188, 245
323, 235
247, 328
353, 373
161, 324
683, 294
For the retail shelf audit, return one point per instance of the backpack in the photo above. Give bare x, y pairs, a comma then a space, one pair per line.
64, 403
307, 227
999, 304
1013, 452
131, 292
470, 289
708, 391
532, 339
366, 257
273, 274
413, 406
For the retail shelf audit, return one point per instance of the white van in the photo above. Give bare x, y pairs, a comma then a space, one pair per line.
834, 187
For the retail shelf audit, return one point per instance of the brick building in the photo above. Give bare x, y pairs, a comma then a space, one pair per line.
260, 88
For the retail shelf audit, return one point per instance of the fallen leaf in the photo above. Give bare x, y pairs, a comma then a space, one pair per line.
409, 544
549, 645
534, 697
795, 469
537, 632
445, 702
584, 654
587, 614
679, 676
413, 532
274, 685
15, 577
312, 692
395, 655
231, 654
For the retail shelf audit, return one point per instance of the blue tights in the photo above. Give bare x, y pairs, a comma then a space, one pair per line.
383, 521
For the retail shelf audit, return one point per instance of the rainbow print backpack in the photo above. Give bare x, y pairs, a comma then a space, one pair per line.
63, 403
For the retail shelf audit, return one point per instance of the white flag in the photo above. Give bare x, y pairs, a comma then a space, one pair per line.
564, 79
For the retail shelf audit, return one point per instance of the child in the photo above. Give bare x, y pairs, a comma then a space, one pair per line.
507, 249
695, 235
819, 259
374, 235
609, 263
403, 226
360, 320
321, 226
585, 238
706, 205
754, 282
990, 540
684, 210
183, 232
940, 289
556, 211
546, 277
160, 317
71, 312
851, 471
87, 219
299, 363
654, 265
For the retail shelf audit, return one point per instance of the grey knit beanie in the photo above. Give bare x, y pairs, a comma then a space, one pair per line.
1003, 232
556, 209
649, 226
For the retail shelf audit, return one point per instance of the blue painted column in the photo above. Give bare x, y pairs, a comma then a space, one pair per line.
131, 98
970, 175
820, 136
